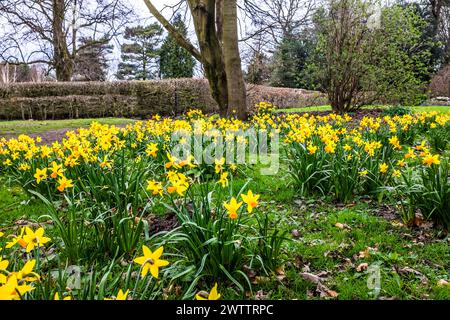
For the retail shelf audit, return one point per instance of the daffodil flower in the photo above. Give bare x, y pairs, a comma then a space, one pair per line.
251, 200
34, 239
232, 208
151, 261
212, 295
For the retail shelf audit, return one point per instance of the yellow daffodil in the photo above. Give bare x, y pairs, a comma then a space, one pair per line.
312, 149
12, 290
173, 162
151, 150
27, 273
232, 208
363, 173
396, 173
3, 264
384, 168
224, 179
395, 142
34, 239
64, 184
24, 167
155, 187
151, 261
122, 295
251, 200
430, 159
219, 164
17, 239
57, 170
212, 295
410, 154
179, 184
106, 163
65, 298
40, 175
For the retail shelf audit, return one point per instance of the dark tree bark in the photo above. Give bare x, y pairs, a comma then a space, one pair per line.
236, 86
63, 61
215, 23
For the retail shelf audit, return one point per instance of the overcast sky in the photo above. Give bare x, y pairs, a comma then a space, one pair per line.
144, 17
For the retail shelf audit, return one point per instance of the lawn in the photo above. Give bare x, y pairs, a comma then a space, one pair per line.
411, 261
335, 222
36, 127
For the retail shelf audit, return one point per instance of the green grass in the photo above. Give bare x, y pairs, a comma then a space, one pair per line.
321, 247
304, 109
440, 109
16, 205
36, 127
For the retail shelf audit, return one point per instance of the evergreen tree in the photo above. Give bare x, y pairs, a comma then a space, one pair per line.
91, 62
289, 61
140, 56
258, 69
175, 61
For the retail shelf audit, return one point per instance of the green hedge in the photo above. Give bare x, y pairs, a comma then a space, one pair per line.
133, 99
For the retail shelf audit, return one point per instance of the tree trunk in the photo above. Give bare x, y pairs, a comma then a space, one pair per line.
62, 61
215, 23
237, 95
204, 16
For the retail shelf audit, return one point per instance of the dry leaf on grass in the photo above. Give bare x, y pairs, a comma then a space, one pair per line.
366, 252
324, 291
261, 295
310, 277
342, 226
362, 267
443, 283
260, 280
295, 233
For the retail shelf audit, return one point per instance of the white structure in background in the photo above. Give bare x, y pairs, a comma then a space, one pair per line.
374, 21
8, 73
12, 73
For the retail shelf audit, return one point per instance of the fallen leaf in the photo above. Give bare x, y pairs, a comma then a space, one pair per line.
339, 225
306, 268
342, 226
409, 270
250, 272
416, 221
261, 280
322, 274
443, 283
310, 277
261, 295
324, 291
295, 233
280, 271
362, 267
366, 252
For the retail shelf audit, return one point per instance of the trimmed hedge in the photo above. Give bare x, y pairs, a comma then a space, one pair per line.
132, 99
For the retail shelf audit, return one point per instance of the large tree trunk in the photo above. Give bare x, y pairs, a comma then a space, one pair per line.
237, 96
62, 60
204, 16
215, 23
